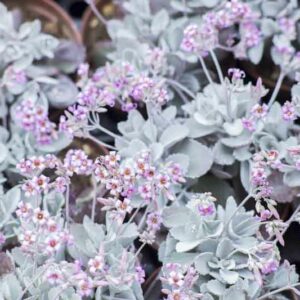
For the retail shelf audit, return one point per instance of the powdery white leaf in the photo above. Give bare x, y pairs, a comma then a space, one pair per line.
216, 287
201, 157
186, 246
173, 134
223, 154
292, 179
150, 131
201, 262
159, 22
235, 128
181, 159
255, 53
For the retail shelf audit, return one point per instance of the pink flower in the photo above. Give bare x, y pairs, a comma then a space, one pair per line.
30, 189
154, 221
114, 186
60, 184
265, 215
248, 124
140, 274
85, 287
41, 183
39, 216
258, 176
52, 226
175, 279
206, 208
52, 244
24, 210
288, 111
2, 239
54, 277
83, 70
127, 173
27, 238
124, 206
96, 264
145, 191
269, 266
259, 111
112, 159
236, 73
163, 181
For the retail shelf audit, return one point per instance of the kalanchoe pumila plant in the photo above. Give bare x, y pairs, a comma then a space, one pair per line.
223, 251
188, 127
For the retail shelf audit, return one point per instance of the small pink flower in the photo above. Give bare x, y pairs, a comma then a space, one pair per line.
248, 124
112, 159
154, 221
163, 181
27, 238
85, 287
2, 239
145, 191
175, 279
52, 244
24, 210
60, 184
127, 173
30, 189
140, 274
40, 217
83, 70
54, 277
52, 226
265, 215
269, 266
259, 111
96, 264
41, 183
236, 73
124, 206
288, 111
206, 208
114, 186
38, 163
258, 176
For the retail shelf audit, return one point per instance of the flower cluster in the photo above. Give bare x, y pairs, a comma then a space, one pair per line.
40, 233
204, 38
179, 283
34, 118
138, 176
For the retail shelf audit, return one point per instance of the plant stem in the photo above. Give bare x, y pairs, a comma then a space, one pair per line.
217, 65
175, 83
142, 221
277, 88
130, 220
94, 199
237, 209
92, 138
31, 283
278, 291
140, 250
206, 72
94, 119
288, 223
67, 205
96, 12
